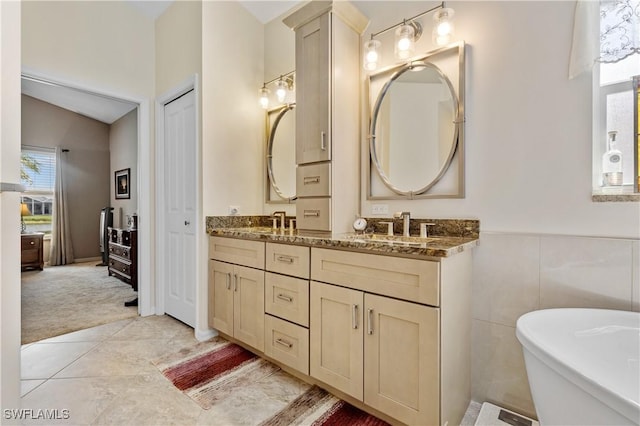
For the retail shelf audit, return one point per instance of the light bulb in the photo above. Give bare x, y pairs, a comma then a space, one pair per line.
443, 29
371, 55
264, 97
281, 91
405, 41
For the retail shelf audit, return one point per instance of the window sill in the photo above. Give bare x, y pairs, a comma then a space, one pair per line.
615, 195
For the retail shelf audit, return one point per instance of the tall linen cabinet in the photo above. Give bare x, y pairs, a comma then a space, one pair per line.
327, 114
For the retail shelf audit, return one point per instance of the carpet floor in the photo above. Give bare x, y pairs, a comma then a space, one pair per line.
63, 299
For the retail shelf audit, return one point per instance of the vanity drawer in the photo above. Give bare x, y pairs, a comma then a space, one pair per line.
287, 343
241, 252
287, 297
313, 180
313, 214
409, 279
287, 259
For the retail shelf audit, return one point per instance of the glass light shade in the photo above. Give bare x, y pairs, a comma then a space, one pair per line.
405, 41
264, 97
281, 91
371, 57
24, 210
443, 28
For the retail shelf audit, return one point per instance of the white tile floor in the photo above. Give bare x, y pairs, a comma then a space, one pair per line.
105, 375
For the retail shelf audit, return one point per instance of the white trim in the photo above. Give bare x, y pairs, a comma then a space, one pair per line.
191, 83
145, 180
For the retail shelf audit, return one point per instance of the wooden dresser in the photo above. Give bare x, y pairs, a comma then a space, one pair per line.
123, 258
31, 250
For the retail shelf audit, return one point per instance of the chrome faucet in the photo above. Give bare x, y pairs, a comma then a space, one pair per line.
406, 219
281, 215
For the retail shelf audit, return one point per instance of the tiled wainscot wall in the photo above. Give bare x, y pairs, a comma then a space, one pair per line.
518, 273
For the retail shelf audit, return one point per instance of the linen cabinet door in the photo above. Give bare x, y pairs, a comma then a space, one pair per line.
313, 89
335, 337
248, 312
401, 364
220, 297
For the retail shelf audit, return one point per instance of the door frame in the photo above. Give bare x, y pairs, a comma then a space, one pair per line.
146, 300
202, 331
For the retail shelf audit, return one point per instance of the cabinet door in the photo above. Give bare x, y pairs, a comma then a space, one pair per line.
248, 307
401, 363
313, 88
221, 296
335, 337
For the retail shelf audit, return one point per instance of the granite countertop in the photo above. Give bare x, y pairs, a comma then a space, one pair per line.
412, 247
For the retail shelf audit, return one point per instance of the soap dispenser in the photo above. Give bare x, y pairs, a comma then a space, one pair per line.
612, 163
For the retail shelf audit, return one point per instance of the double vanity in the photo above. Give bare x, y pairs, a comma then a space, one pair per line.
382, 322
382, 318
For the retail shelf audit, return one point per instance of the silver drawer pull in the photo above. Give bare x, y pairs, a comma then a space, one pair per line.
312, 213
370, 321
311, 179
235, 282
285, 259
32, 243
228, 280
323, 141
354, 319
284, 297
284, 343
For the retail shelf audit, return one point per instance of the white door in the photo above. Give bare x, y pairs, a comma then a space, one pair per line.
180, 208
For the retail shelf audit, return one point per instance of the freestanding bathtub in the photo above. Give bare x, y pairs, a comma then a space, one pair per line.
583, 365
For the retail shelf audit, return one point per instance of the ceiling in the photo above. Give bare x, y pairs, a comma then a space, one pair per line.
107, 109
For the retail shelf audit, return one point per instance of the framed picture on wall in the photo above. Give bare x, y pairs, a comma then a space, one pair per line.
123, 181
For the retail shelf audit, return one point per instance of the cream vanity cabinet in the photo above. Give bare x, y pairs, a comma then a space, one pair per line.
394, 355
236, 289
327, 113
385, 332
287, 305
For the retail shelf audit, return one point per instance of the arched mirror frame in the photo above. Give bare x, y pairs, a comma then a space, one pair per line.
271, 129
451, 60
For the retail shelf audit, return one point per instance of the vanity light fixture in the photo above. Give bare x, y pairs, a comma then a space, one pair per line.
283, 84
371, 54
264, 96
407, 33
443, 29
406, 36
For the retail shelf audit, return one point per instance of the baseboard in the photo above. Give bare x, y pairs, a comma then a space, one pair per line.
87, 259
204, 335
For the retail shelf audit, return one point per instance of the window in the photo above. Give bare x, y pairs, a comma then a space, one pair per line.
37, 174
614, 93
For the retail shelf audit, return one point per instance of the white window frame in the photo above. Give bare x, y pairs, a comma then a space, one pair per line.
36, 193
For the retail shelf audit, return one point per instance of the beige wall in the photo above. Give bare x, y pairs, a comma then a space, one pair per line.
87, 174
123, 150
178, 44
104, 45
232, 124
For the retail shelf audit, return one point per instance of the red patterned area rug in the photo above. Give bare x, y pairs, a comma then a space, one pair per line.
317, 407
211, 371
